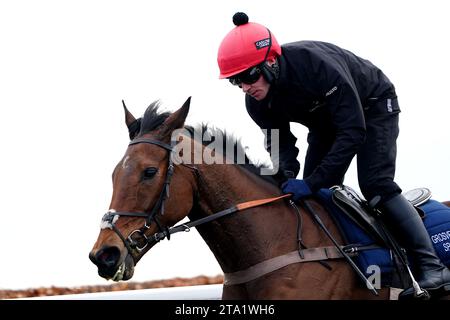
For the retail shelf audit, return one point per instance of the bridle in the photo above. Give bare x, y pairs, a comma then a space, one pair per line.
110, 218
131, 243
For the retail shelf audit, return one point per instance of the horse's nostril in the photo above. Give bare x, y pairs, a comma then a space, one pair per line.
107, 257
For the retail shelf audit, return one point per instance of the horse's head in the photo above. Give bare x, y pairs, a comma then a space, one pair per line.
140, 205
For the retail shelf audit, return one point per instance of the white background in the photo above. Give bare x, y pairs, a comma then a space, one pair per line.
66, 65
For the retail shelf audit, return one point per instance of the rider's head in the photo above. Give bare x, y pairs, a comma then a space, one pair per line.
247, 56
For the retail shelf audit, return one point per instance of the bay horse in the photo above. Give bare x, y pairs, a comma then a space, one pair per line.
152, 193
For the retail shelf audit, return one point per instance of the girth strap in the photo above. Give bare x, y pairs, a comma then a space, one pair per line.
273, 264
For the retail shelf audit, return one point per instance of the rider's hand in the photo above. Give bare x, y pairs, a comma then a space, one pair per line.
298, 188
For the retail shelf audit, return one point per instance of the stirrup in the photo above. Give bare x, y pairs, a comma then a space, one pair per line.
417, 292
414, 295
430, 294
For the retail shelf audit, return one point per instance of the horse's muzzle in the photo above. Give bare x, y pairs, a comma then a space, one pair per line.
110, 265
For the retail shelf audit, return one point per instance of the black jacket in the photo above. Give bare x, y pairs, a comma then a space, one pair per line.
327, 89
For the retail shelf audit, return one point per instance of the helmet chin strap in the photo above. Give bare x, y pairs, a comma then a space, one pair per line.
272, 71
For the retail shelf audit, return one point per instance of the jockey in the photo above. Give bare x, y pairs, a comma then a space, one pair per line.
350, 108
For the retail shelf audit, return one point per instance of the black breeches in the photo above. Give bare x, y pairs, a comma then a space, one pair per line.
375, 158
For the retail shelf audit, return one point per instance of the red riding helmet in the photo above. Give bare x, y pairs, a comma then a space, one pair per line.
245, 46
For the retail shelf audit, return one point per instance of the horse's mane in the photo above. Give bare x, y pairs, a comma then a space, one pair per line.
153, 118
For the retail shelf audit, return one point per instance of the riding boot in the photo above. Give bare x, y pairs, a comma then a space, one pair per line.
408, 229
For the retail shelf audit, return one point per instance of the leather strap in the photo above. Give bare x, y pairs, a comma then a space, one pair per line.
239, 207
151, 141
256, 203
273, 264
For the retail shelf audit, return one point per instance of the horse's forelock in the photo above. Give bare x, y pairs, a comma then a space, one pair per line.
152, 118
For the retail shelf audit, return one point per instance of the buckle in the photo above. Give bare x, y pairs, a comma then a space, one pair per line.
135, 244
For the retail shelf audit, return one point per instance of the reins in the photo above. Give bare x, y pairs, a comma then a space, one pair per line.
239, 207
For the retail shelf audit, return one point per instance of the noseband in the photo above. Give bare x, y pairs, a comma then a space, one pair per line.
110, 218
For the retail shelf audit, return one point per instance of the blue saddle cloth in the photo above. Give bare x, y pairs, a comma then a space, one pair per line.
436, 221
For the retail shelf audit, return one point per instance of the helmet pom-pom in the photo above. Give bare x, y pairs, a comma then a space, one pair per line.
240, 18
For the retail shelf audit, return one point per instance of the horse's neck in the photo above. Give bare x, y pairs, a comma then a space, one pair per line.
223, 186
246, 237
251, 236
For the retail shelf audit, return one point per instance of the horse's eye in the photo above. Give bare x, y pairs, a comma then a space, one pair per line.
149, 172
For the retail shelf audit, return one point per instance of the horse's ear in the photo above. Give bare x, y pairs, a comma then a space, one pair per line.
129, 118
133, 125
176, 119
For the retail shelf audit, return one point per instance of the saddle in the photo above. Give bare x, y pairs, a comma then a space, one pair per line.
358, 210
365, 234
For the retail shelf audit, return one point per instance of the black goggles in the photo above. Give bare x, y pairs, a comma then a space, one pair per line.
249, 76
